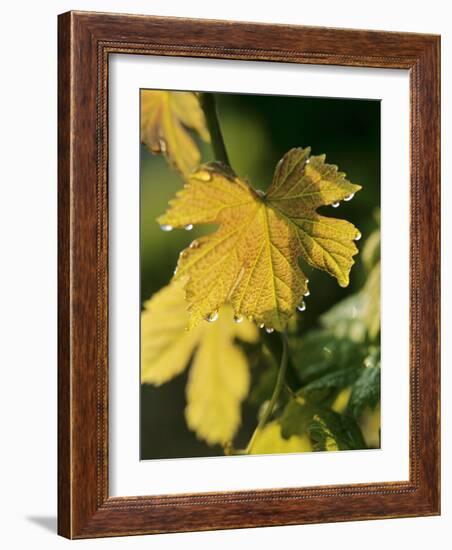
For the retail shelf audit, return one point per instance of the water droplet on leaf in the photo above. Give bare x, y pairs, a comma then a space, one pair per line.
166, 227
335, 204
269, 330
188, 227
349, 197
204, 175
238, 318
301, 306
162, 144
358, 236
307, 293
212, 317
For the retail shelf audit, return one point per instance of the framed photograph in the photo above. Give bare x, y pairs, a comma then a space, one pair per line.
248, 275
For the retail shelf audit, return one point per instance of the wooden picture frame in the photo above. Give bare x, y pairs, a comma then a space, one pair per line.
86, 40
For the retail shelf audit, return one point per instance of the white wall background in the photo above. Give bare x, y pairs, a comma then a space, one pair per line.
28, 270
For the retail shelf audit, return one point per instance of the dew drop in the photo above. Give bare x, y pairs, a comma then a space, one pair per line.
204, 175
162, 144
301, 306
307, 281
358, 236
261, 325
307, 293
166, 227
194, 244
335, 204
269, 330
188, 227
349, 197
308, 161
238, 318
260, 192
212, 317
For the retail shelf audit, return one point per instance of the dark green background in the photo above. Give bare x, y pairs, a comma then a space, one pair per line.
258, 130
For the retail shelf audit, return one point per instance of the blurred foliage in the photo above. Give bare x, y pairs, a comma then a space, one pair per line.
165, 119
331, 398
270, 441
219, 374
338, 367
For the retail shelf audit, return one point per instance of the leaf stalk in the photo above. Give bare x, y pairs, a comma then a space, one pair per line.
208, 104
280, 384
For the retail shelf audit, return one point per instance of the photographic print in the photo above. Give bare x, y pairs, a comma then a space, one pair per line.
221, 200
260, 274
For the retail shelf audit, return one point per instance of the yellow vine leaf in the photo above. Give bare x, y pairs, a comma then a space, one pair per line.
340, 403
219, 376
165, 117
271, 441
370, 426
252, 260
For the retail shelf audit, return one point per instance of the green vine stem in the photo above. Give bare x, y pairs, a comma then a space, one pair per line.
208, 104
280, 384
272, 362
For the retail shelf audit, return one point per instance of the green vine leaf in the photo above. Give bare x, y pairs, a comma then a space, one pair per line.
219, 376
357, 317
252, 260
330, 431
165, 118
297, 417
330, 384
320, 352
365, 392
